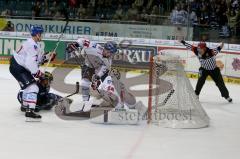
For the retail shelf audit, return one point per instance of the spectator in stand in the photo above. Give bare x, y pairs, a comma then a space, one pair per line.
108, 9
119, 13
193, 17
99, 13
72, 3
178, 16
223, 19
36, 9
84, 2
232, 19
9, 26
238, 24
92, 2
195, 6
139, 4
235, 5
108, 3
90, 11
81, 12
58, 15
132, 13
204, 15
45, 9
6, 13
54, 9
144, 16
223, 4
100, 3
154, 16
149, 5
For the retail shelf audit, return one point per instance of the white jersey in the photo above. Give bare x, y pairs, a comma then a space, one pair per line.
29, 55
107, 86
93, 54
118, 94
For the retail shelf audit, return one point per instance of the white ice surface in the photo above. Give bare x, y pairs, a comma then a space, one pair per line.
54, 138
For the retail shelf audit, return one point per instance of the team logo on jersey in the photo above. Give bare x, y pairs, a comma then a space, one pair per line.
35, 47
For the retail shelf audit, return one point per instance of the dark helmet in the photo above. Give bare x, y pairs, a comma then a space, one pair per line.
48, 76
111, 46
46, 80
36, 30
202, 45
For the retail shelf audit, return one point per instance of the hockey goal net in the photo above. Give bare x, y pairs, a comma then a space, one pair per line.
172, 100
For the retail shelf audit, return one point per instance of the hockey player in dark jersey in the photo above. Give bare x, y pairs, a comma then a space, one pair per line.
207, 58
46, 100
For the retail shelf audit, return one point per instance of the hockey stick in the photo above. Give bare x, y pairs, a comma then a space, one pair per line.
76, 91
57, 44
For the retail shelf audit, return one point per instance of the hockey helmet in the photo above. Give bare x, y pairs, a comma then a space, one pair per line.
111, 46
34, 30
48, 76
46, 79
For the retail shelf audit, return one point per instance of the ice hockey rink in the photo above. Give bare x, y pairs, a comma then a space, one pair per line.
54, 138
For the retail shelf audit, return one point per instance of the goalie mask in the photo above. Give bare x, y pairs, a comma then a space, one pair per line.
115, 73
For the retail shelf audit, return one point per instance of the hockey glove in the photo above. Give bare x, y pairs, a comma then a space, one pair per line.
47, 56
72, 47
183, 42
38, 75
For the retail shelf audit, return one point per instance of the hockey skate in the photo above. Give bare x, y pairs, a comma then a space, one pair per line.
24, 108
31, 116
229, 99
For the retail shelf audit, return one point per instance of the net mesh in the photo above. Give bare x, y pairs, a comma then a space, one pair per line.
174, 103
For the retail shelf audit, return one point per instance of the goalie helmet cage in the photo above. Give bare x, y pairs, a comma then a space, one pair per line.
172, 101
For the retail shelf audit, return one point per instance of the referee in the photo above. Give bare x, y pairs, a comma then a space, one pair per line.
207, 58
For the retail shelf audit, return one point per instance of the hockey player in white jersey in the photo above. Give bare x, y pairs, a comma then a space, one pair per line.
113, 92
96, 66
24, 66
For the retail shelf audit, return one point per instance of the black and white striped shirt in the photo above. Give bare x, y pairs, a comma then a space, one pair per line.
208, 59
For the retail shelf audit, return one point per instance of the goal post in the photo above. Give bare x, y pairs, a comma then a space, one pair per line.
172, 101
